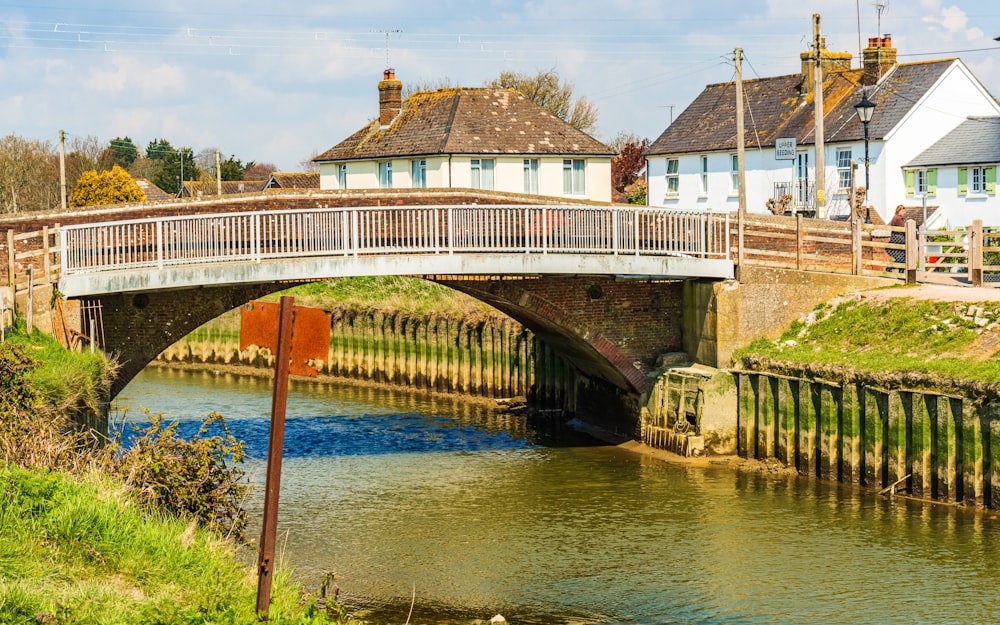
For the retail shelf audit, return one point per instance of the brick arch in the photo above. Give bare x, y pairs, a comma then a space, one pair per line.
139, 326
609, 329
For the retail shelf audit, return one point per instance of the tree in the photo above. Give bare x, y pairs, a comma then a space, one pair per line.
29, 175
259, 171
115, 186
233, 169
159, 149
625, 167
177, 166
122, 152
546, 90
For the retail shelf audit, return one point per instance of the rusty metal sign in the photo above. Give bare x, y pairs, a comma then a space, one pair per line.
310, 333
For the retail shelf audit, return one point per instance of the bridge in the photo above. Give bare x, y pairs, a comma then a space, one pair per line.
164, 253
610, 288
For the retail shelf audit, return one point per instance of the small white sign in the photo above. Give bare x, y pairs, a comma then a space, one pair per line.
784, 149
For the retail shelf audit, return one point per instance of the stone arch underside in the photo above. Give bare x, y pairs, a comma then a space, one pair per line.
610, 330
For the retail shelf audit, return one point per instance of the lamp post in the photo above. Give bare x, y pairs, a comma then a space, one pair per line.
865, 109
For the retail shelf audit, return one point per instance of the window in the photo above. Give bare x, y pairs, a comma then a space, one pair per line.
844, 181
977, 180
574, 176
482, 173
385, 175
342, 176
921, 182
673, 180
704, 175
418, 173
735, 175
531, 175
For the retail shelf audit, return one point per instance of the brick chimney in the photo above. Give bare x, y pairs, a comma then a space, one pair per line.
878, 57
390, 97
830, 62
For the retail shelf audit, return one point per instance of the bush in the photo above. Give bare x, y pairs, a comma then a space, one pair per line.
198, 478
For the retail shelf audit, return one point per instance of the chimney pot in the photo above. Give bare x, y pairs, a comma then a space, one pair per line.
390, 97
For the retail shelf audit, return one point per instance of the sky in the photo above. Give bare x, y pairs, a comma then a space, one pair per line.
279, 82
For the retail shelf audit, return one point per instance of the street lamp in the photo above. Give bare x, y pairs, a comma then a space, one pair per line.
865, 109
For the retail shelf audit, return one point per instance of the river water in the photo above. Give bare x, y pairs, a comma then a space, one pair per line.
463, 514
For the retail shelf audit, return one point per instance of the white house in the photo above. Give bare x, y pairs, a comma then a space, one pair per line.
959, 175
693, 162
490, 139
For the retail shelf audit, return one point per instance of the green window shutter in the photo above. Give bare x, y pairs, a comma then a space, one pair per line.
909, 182
963, 181
991, 180
932, 182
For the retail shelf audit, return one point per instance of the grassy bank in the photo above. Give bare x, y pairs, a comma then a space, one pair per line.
79, 550
892, 342
107, 533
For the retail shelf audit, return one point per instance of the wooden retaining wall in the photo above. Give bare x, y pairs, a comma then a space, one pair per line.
490, 357
932, 446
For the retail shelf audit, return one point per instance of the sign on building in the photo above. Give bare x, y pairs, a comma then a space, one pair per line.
784, 149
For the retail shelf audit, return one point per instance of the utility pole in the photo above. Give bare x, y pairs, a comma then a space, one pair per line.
820, 148
218, 173
741, 175
62, 169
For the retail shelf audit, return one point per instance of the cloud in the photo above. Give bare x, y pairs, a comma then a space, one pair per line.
118, 74
953, 20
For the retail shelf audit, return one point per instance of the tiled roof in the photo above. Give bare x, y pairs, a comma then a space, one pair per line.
153, 192
775, 108
976, 140
293, 180
228, 187
467, 121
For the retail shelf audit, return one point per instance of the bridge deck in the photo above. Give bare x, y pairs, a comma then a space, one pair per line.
253, 247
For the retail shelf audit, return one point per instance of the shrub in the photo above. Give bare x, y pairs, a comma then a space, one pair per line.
198, 478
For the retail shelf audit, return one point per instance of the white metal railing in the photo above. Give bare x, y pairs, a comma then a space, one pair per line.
254, 236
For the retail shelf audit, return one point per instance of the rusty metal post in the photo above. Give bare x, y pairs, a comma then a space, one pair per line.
276, 439
913, 252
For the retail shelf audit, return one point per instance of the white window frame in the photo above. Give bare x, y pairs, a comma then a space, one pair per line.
703, 159
734, 176
482, 173
977, 181
418, 173
844, 173
919, 182
672, 178
574, 176
531, 176
385, 174
342, 175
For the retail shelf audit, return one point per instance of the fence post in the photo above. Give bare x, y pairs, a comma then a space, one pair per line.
799, 236
913, 252
46, 250
857, 250
10, 260
976, 253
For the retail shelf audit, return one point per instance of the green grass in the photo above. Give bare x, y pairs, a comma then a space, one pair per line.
936, 340
80, 552
399, 293
63, 377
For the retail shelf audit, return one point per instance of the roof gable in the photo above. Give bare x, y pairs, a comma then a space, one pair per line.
467, 121
776, 108
293, 180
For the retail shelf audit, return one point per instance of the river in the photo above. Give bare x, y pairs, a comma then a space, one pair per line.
463, 513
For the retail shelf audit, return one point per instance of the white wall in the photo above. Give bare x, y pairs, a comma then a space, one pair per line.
456, 172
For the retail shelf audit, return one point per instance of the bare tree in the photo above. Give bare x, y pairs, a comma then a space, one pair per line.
546, 90
29, 179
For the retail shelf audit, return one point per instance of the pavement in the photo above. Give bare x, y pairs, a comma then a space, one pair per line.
939, 292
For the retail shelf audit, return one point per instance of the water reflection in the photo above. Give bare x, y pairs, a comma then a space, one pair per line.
482, 514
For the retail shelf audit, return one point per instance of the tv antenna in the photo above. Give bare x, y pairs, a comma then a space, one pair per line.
880, 7
387, 32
